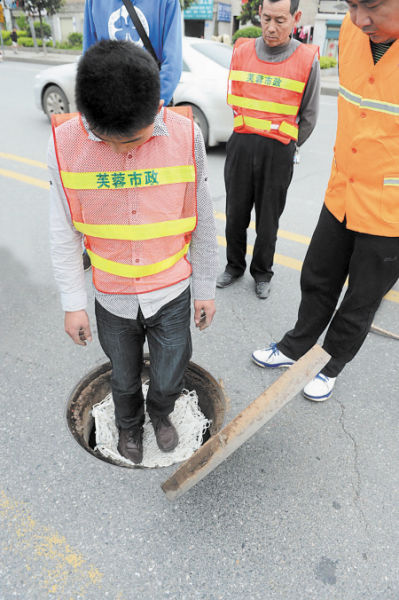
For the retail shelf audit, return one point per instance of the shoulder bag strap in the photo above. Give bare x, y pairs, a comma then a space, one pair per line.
140, 30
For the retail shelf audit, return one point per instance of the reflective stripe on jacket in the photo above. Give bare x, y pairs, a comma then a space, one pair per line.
266, 96
136, 210
363, 185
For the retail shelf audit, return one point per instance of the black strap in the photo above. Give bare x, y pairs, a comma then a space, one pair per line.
141, 31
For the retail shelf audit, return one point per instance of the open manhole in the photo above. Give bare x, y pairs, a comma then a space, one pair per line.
96, 385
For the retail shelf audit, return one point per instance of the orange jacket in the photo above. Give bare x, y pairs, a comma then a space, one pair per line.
136, 210
364, 181
266, 96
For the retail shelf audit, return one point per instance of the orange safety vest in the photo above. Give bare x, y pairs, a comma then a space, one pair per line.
364, 181
266, 96
136, 210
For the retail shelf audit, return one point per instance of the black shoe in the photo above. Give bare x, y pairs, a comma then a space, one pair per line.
165, 433
86, 261
262, 289
226, 279
130, 444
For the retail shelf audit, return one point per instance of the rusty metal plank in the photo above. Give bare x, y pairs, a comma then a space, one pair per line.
246, 423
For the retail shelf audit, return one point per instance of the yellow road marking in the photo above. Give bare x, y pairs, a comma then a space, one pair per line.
27, 161
280, 259
51, 563
282, 233
26, 179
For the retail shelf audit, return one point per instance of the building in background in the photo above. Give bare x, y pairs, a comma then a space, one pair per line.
321, 20
328, 21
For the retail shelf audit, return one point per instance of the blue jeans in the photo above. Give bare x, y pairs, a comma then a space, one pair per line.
169, 340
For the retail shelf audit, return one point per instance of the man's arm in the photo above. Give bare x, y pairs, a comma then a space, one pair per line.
309, 109
171, 59
89, 29
203, 248
66, 256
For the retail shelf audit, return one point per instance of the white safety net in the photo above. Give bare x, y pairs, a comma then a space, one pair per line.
187, 417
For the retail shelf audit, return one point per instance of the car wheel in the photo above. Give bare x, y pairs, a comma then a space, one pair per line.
54, 101
201, 121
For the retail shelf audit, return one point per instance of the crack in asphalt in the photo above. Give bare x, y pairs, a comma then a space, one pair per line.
356, 486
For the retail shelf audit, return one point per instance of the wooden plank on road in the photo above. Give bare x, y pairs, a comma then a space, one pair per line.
245, 424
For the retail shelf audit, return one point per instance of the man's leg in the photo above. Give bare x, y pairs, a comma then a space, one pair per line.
122, 341
373, 270
272, 176
239, 199
323, 275
169, 341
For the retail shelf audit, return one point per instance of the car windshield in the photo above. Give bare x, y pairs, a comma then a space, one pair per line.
219, 53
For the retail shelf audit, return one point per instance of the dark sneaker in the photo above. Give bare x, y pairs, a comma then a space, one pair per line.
130, 444
226, 279
165, 433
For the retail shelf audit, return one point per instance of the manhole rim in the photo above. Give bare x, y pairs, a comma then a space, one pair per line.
101, 369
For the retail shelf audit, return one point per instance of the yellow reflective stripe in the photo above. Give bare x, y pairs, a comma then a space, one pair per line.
116, 180
262, 105
262, 124
238, 121
146, 231
132, 271
265, 125
268, 80
289, 129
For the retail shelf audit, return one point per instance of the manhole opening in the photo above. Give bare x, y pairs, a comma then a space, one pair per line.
95, 386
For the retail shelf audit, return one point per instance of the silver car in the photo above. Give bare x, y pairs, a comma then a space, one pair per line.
203, 85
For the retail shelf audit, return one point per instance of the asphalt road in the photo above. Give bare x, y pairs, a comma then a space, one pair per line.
308, 509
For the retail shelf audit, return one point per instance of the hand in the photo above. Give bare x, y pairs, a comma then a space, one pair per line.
77, 326
204, 311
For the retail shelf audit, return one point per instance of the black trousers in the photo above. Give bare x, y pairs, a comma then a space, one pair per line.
371, 263
169, 342
258, 171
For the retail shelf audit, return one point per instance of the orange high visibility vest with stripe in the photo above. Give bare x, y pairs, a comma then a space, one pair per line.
266, 96
136, 210
364, 181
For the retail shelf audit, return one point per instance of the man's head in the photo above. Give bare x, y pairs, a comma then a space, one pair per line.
117, 90
379, 19
278, 18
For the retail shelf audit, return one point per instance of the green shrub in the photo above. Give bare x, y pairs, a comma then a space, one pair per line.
75, 39
27, 42
66, 46
22, 23
36, 24
327, 62
249, 32
6, 36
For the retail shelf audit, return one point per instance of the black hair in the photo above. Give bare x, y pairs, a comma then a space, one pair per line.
293, 8
117, 88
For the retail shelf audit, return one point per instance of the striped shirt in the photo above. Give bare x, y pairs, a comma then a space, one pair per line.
378, 50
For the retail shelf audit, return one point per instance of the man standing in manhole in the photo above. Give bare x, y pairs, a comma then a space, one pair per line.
130, 177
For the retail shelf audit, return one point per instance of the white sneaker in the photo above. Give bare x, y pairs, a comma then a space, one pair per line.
271, 357
320, 388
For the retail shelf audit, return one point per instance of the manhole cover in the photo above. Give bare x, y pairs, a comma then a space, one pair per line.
96, 385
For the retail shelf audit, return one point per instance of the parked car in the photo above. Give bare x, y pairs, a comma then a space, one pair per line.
203, 85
